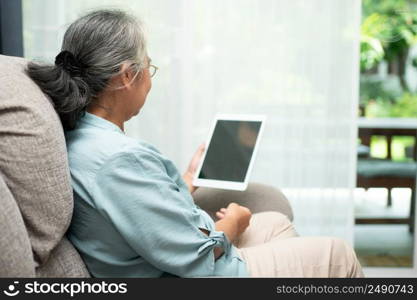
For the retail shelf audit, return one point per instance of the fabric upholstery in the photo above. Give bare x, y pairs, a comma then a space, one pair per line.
15, 250
33, 159
64, 261
257, 197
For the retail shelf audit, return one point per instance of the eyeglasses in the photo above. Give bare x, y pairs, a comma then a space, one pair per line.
152, 70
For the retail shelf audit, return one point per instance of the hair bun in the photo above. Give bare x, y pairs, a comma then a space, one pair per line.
66, 60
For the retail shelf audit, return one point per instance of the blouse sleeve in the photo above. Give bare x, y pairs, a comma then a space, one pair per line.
135, 194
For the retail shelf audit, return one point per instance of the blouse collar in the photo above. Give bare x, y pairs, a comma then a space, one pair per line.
97, 121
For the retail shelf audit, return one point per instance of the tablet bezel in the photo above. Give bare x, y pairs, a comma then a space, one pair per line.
223, 184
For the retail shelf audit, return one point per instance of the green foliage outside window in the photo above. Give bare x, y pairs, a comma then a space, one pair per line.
388, 33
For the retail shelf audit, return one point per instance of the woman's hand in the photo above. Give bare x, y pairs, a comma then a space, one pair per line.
241, 214
192, 168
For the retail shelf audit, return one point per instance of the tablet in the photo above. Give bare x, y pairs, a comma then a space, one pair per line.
230, 152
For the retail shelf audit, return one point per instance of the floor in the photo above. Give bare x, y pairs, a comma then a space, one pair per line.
383, 245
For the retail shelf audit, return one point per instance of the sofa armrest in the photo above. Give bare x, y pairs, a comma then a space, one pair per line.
64, 262
16, 257
257, 197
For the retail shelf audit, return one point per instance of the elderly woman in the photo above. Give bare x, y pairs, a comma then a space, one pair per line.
134, 214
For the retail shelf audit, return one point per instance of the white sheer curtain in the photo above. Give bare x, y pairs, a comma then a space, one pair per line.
294, 61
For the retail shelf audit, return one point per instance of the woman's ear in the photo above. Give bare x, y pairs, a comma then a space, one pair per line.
126, 75
124, 79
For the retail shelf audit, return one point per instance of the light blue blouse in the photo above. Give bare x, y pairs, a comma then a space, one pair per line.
133, 213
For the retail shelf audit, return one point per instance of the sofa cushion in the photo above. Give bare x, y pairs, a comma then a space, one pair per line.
15, 250
33, 158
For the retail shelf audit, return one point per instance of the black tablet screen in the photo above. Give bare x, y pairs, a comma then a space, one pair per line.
230, 150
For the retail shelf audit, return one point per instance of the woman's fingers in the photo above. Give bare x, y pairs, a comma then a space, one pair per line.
201, 147
219, 215
192, 167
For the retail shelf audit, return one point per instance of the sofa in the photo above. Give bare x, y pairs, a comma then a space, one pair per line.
36, 199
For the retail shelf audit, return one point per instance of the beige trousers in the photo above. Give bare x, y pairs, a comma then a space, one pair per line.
271, 247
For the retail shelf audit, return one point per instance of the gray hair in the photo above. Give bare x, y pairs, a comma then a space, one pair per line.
101, 41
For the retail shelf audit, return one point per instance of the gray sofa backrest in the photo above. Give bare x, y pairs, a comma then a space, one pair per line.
35, 175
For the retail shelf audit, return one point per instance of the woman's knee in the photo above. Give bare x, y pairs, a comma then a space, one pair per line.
279, 224
272, 217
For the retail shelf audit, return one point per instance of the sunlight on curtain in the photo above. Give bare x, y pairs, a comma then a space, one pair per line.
294, 61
